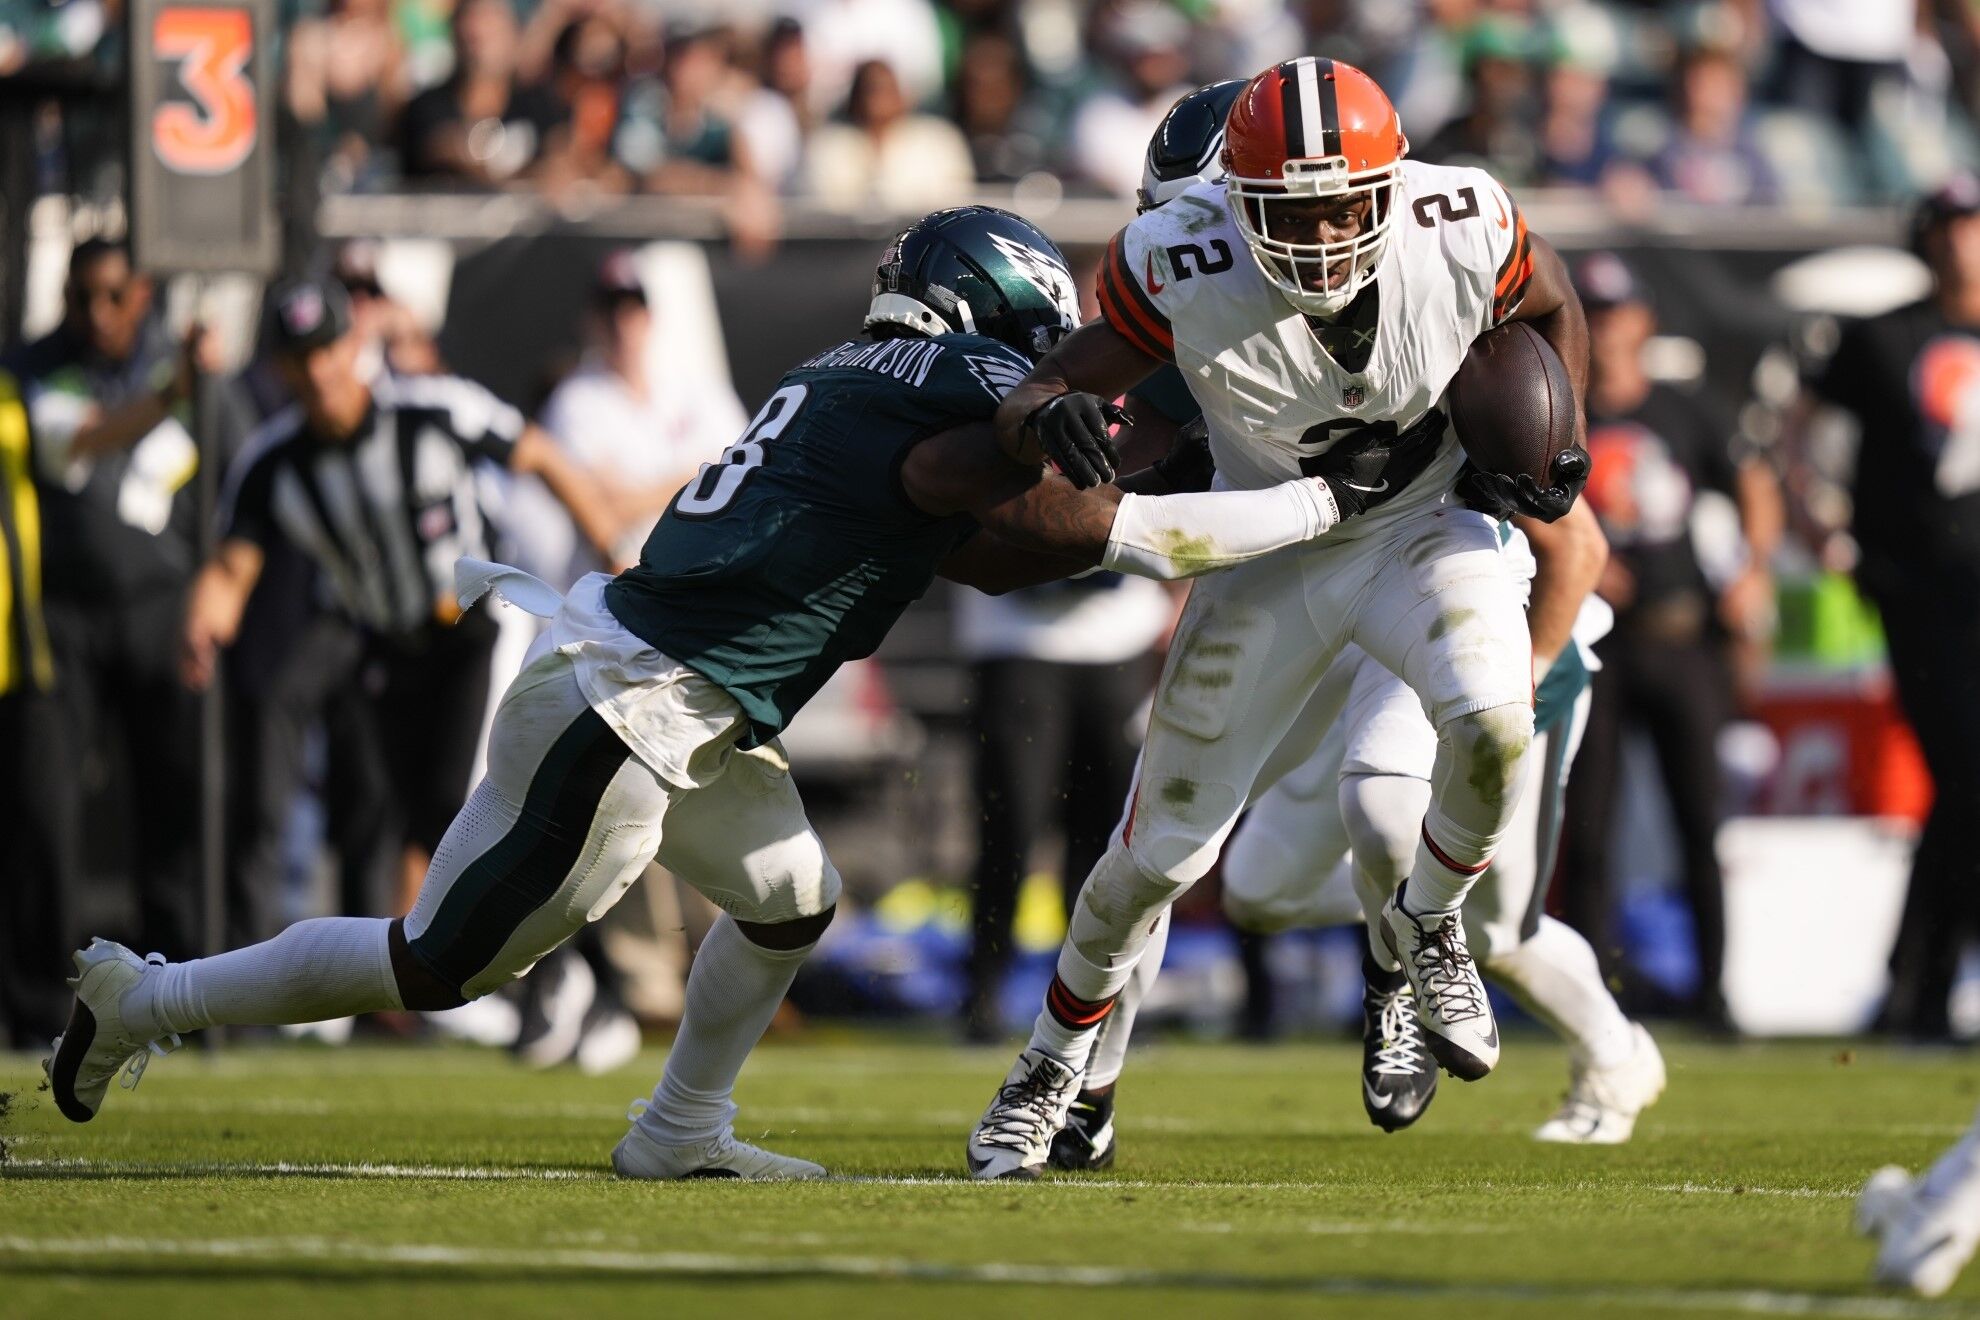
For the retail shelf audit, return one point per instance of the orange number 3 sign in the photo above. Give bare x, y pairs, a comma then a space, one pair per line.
216, 132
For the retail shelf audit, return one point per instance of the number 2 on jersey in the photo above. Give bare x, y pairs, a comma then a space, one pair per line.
718, 483
1442, 203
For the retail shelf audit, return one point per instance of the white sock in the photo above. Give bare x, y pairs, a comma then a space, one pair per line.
1556, 977
329, 967
733, 991
1103, 1066
1444, 873
1957, 1166
1111, 924
1474, 787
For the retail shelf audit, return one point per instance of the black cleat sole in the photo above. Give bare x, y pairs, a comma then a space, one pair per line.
1458, 1062
70, 1051
1393, 1124
1075, 1160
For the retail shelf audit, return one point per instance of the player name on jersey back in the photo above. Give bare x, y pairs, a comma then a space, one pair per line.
908, 360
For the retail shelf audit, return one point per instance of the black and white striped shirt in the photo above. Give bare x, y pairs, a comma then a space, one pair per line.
386, 511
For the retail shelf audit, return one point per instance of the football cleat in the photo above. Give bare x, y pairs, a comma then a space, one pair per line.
1456, 1017
1601, 1105
640, 1155
1398, 1076
96, 1043
1013, 1139
1927, 1227
1086, 1143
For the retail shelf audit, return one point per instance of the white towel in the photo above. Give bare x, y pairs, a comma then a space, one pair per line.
475, 578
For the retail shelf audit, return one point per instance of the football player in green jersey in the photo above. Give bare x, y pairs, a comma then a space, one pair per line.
648, 726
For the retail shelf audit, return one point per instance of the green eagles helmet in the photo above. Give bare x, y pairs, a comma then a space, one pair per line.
1187, 143
976, 270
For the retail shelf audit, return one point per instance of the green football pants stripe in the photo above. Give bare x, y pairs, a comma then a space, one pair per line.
527, 866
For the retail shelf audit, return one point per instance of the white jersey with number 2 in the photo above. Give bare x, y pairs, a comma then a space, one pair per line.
1179, 284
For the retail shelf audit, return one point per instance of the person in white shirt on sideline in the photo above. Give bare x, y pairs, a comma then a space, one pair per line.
639, 435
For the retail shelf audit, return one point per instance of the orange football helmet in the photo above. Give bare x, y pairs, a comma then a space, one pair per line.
1313, 130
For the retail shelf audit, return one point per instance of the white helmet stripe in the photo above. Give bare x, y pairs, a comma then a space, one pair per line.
1311, 129
1211, 152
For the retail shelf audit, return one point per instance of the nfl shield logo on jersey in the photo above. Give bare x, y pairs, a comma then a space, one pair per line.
1352, 395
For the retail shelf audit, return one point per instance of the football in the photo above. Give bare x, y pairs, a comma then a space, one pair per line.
1511, 402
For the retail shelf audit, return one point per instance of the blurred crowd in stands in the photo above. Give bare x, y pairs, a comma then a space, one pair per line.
902, 105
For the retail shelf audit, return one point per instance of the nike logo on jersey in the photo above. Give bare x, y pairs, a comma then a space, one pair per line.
1500, 203
1154, 285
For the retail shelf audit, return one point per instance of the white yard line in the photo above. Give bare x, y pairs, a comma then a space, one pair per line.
519, 1173
526, 1173
284, 1168
677, 1264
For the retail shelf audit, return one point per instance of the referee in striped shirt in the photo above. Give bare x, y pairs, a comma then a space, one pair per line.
376, 482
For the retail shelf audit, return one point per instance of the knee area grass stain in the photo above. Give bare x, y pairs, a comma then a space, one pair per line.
1494, 753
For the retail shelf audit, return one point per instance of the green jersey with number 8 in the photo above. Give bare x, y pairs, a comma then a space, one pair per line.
798, 549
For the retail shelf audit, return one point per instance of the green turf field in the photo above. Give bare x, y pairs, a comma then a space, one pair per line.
380, 1182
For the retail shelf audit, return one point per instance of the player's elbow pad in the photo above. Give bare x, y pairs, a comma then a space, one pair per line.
1181, 536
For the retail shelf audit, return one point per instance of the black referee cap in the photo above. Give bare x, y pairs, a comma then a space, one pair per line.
306, 313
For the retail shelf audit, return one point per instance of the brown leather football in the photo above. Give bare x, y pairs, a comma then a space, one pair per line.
1511, 403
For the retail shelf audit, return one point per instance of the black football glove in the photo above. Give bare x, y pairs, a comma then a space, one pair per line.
1503, 497
1188, 465
1365, 471
1072, 432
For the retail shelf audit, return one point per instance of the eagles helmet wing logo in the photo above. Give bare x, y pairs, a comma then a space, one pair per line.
1044, 274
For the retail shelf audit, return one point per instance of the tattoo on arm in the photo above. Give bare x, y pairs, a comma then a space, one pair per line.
1056, 517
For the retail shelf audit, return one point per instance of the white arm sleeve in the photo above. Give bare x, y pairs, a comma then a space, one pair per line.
1181, 536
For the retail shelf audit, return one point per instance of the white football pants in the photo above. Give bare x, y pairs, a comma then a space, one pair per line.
1431, 598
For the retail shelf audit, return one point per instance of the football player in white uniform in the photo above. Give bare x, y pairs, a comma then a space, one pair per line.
1318, 301
1330, 840
1366, 788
